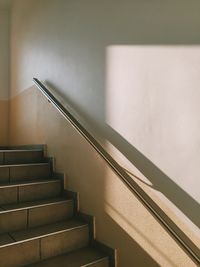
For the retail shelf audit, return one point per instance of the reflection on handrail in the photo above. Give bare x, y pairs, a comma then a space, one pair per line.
172, 228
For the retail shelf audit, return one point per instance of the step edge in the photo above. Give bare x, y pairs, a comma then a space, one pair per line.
20, 150
95, 261
36, 182
42, 236
24, 164
28, 146
35, 206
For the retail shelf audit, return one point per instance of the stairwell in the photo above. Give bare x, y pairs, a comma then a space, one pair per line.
40, 224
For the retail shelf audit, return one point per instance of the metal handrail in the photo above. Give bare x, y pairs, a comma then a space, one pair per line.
179, 236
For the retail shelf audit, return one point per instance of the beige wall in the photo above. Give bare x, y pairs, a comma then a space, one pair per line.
4, 72
130, 70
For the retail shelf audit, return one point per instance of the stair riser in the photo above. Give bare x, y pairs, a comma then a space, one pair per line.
64, 242
21, 157
8, 195
15, 194
38, 192
4, 175
22, 219
1, 158
50, 214
20, 254
24, 173
33, 251
13, 221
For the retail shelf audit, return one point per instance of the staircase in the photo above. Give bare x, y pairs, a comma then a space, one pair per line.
40, 224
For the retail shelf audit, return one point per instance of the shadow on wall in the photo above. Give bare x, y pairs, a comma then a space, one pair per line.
160, 181
111, 209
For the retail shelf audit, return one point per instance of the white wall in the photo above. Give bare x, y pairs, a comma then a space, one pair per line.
131, 70
4, 52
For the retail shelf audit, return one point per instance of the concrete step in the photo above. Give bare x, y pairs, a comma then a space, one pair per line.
20, 216
24, 172
29, 191
17, 156
36, 244
39, 225
85, 257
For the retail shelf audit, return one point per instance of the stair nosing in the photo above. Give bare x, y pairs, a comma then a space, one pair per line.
20, 150
34, 182
89, 262
95, 261
41, 236
50, 234
34, 206
24, 164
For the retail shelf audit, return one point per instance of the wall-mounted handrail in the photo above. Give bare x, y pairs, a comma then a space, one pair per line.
179, 236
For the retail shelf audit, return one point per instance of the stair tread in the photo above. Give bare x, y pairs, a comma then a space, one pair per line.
29, 182
24, 164
33, 204
78, 258
40, 231
21, 150
47, 230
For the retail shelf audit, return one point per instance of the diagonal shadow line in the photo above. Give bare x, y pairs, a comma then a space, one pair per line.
159, 179
138, 178
141, 234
